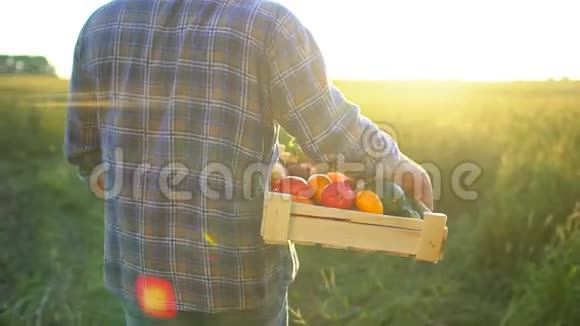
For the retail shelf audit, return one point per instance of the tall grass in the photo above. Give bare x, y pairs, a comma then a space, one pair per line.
511, 259
51, 226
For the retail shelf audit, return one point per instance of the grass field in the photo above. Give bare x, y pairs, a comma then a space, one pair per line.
513, 255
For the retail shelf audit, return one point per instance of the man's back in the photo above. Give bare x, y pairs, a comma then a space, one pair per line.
188, 96
181, 117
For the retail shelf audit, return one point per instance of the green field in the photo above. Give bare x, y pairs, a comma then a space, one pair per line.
513, 255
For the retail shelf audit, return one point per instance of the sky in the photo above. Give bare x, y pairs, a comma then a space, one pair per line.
481, 40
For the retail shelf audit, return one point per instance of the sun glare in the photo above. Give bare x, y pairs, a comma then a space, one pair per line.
375, 39
445, 39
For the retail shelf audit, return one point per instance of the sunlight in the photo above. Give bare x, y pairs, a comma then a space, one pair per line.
370, 39
447, 39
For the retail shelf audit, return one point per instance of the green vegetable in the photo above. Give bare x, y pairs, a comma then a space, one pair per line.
395, 201
421, 209
408, 209
393, 198
413, 214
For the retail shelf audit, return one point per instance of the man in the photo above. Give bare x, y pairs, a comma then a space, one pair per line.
178, 100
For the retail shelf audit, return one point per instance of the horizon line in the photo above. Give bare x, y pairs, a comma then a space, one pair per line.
383, 80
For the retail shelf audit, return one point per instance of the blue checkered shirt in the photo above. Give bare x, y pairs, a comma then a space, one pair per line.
181, 102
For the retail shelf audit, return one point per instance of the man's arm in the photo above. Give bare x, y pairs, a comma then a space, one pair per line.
318, 115
82, 144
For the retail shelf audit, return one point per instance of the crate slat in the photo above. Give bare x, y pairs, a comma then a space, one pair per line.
344, 234
356, 216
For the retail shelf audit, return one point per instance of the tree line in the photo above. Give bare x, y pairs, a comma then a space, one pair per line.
21, 64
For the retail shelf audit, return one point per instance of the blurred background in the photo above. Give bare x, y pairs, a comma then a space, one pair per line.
490, 84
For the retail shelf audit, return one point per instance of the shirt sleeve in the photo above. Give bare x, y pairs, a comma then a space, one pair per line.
306, 104
82, 144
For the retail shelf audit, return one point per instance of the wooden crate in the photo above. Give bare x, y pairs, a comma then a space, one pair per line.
285, 220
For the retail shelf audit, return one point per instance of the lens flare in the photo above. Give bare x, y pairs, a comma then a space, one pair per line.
209, 239
156, 297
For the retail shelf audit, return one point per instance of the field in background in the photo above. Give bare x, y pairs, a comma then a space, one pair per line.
513, 254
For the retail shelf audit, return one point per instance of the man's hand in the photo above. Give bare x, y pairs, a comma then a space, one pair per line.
414, 180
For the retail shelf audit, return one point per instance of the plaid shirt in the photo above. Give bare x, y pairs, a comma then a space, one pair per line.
181, 101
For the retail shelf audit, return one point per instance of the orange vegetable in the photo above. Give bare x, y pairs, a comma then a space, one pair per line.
368, 201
